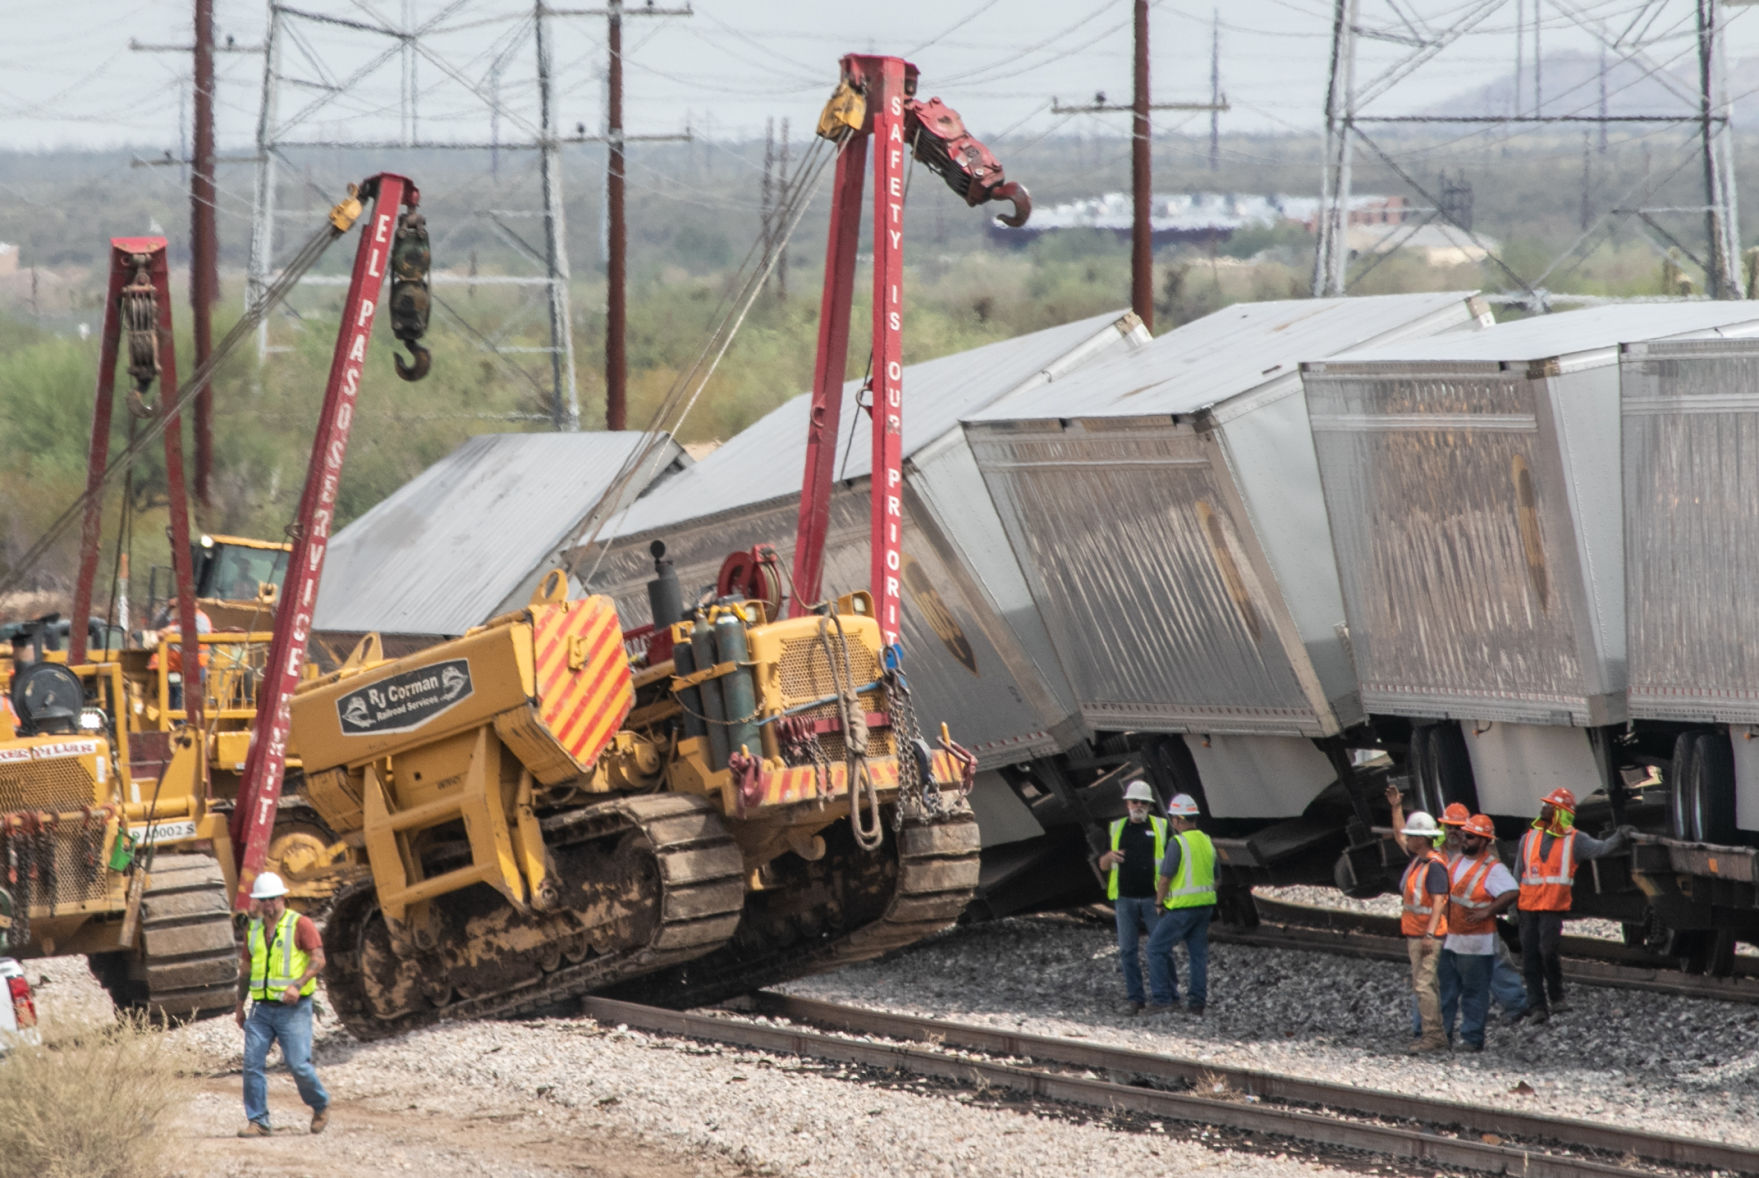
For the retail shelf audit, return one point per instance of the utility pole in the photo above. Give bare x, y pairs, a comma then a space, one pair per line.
1141, 178
782, 186
769, 186
1215, 89
617, 238
616, 272
1141, 183
204, 252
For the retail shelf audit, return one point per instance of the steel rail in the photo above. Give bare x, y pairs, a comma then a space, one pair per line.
1277, 1120
1325, 930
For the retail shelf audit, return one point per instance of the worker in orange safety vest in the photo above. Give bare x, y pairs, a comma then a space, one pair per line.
1547, 860
1481, 890
1507, 990
1424, 891
171, 632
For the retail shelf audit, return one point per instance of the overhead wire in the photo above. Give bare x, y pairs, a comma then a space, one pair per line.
670, 415
174, 403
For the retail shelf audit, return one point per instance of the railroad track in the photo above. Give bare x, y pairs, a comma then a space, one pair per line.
1329, 1117
1587, 960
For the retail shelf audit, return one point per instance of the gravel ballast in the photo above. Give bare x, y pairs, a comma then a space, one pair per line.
1642, 1061
750, 1112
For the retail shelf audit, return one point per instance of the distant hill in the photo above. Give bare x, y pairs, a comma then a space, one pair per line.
1570, 85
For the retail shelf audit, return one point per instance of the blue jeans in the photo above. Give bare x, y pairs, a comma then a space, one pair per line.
1134, 917
1465, 988
291, 1025
1190, 925
1507, 990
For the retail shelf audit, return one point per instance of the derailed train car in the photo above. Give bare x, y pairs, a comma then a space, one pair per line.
1479, 522
977, 655
1165, 509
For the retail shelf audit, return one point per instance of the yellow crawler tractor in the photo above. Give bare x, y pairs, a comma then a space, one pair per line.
97, 861
542, 820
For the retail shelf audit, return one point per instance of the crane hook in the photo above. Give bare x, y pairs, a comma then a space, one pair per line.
1015, 192
413, 372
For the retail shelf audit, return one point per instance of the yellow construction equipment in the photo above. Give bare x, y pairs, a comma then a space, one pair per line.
542, 820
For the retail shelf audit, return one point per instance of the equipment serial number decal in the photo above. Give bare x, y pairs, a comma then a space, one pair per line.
163, 832
405, 701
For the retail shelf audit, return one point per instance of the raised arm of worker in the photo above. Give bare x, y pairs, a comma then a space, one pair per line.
1396, 800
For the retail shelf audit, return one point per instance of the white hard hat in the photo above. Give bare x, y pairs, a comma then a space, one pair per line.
1420, 825
1138, 791
268, 886
1183, 806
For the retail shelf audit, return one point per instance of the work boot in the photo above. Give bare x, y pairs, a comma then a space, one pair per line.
1130, 1008
1539, 1016
1559, 1006
1425, 1046
319, 1119
1195, 1010
255, 1129
1158, 1008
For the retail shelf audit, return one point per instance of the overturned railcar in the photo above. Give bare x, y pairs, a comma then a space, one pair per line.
975, 649
1690, 417
1165, 509
1473, 490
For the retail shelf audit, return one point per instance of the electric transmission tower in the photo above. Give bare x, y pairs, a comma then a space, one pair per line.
1637, 43
474, 78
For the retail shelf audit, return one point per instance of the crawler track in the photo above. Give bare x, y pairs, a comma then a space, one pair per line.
186, 966
697, 864
1330, 1116
937, 868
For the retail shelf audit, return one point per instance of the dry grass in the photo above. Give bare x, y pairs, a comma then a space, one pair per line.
93, 1103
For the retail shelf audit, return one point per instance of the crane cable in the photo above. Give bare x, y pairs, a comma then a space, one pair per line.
271, 297
682, 397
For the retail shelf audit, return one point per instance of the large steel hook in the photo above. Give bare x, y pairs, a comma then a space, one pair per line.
422, 360
1015, 192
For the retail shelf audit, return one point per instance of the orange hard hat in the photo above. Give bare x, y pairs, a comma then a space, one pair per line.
1561, 799
1455, 815
1479, 824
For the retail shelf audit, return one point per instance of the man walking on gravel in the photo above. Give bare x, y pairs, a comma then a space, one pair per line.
1481, 889
283, 956
1547, 862
1186, 889
1138, 842
1424, 890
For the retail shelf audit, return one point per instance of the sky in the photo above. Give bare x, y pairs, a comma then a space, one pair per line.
68, 77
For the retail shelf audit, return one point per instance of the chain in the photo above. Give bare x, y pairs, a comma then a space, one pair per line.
140, 319
46, 861
913, 792
25, 873
17, 881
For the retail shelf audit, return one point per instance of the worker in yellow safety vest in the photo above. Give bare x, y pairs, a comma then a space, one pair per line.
1137, 844
282, 957
1185, 889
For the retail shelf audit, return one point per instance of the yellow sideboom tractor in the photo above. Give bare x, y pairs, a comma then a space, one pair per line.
542, 820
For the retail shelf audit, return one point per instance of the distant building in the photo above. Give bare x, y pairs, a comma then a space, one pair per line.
1436, 243
1201, 217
